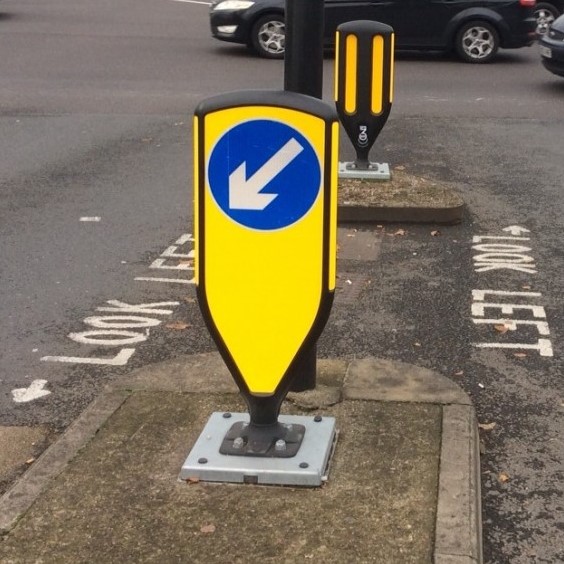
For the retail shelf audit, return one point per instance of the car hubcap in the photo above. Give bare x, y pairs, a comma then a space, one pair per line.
478, 42
271, 37
544, 19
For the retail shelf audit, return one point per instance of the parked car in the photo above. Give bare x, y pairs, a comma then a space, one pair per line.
551, 46
474, 29
546, 13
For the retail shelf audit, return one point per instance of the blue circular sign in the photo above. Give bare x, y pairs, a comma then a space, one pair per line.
264, 174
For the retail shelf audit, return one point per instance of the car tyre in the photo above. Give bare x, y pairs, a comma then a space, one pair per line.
545, 14
477, 42
268, 36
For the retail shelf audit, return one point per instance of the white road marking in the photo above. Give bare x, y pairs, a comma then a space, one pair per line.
120, 359
504, 254
33, 392
173, 280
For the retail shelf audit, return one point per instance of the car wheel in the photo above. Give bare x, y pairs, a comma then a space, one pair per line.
545, 14
477, 42
268, 36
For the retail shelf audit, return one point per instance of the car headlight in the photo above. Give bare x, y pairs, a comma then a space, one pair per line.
233, 5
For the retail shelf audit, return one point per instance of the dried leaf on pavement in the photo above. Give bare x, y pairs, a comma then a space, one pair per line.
487, 426
501, 328
400, 232
207, 528
435, 233
503, 477
177, 325
520, 355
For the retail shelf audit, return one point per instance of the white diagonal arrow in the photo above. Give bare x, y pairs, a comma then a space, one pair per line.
245, 194
35, 391
516, 230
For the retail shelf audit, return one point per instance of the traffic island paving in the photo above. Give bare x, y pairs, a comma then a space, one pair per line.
403, 482
403, 198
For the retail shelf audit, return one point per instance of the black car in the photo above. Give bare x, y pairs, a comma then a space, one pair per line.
551, 46
475, 29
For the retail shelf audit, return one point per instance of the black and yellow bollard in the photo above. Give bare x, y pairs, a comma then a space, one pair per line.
364, 86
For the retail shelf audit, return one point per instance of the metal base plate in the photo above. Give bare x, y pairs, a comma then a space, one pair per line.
377, 171
308, 468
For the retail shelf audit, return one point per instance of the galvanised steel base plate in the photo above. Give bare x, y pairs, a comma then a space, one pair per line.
377, 171
308, 468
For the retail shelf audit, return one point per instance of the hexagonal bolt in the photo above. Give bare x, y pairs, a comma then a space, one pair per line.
238, 442
280, 445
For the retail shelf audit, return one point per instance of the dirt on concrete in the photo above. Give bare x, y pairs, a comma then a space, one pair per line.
402, 190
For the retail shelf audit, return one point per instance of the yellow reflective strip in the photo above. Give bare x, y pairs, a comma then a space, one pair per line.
196, 187
377, 73
393, 38
351, 57
333, 215
337, 37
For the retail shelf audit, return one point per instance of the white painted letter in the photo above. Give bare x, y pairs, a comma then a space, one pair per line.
478, 309
120, 359
122, 307
97, 337
121, 321
544, 346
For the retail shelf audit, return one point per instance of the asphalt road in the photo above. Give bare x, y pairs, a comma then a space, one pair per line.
96, 102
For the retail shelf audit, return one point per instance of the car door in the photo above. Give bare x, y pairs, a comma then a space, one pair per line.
423, 22
341, 11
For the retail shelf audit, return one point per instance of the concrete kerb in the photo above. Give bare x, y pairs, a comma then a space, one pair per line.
458, 518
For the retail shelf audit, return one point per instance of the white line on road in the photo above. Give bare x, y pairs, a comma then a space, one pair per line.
173, 280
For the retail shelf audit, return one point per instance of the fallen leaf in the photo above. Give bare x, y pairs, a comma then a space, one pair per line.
400, 232
501, 328
487, 426
30, 461
526, 287
400, 167
177, 325
193, 480
520, 355
207, 528
190, 300
503, 477
435, 233
459, 373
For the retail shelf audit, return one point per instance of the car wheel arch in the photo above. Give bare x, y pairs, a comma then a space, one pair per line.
475, 14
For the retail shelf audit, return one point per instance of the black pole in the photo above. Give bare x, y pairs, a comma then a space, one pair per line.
303, 59
303, 73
